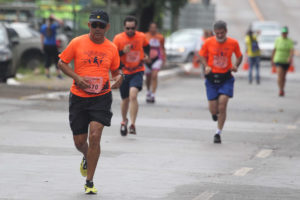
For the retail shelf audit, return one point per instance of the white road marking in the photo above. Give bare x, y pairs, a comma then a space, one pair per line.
243, 171
291, 127
205, 195
280, 137
264, 153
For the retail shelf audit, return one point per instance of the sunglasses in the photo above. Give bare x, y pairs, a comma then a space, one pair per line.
130, 28
100, 25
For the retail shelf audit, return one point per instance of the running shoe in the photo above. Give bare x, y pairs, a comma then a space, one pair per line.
148, 97
90, 188
151, 100
83, 167
123, 129
281, 93
60, 77
214, 117
132, 129
217, 138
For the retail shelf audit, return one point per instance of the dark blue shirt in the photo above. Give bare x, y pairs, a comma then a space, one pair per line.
49, 35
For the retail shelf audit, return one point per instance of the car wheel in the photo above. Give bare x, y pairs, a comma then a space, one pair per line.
3, 80
32, 61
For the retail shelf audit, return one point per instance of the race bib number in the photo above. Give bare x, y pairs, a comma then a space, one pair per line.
153, 53
220, 61
95, 84
133, 57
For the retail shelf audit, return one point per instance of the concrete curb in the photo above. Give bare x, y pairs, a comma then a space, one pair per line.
163, 75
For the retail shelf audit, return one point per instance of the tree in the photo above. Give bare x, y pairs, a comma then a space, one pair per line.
152, 10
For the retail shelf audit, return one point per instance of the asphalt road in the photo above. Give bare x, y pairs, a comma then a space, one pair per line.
172, 157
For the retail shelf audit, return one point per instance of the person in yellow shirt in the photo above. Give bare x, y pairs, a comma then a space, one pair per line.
253, 53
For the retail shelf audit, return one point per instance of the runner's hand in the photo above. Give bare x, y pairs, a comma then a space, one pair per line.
82, 82
207, 70
147, 59
234, 68
127, 48
117, 81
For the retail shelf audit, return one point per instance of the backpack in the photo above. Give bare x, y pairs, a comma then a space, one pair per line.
254, 45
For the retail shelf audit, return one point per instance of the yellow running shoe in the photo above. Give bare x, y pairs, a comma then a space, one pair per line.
90, 190
83, 167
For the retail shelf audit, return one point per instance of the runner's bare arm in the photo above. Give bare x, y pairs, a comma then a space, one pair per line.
237, 64
291, 56
117, 78
207, 68
272, 56
66, 68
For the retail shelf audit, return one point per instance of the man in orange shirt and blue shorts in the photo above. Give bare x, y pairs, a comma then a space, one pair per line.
215, 55
133, 50
90, 98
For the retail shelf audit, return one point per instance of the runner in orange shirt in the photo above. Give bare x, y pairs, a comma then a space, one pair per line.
134, 50
215, 55
157, 56
90, 98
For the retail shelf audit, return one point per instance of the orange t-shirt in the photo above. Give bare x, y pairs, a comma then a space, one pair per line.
93, 61
156, 43
133, 61
219, 54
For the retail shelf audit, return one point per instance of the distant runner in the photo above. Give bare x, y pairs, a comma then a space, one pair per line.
157, 56
134, 50
282, 57
216, 54
90, 98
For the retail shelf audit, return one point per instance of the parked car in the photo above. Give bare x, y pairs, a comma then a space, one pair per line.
181, 45
6, 56
266, 41
20, 45
29, 52
260, 26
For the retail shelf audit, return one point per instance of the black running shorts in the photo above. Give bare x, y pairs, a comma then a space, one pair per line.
284, 66
83, 110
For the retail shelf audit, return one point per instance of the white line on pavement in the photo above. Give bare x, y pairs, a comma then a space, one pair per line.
243, 171
264, 153
291, 127
205, 195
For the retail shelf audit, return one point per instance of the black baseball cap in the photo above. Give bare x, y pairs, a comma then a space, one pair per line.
99, 16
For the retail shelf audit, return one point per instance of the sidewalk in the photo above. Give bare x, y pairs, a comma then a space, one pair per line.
55, 84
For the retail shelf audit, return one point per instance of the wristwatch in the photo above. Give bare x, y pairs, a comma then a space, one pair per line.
123, 75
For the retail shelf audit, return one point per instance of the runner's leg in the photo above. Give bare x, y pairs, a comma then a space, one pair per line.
281, 78
154, 80
124, 108
81, 144
96, 129
213, 107
148, 81
222, 106
133, 104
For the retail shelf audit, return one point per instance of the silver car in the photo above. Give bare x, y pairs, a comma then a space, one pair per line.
7, 67
29, 51
181, 45
266, 42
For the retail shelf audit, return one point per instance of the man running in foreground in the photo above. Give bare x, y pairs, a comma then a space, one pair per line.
133, 49
215, 55
90, 98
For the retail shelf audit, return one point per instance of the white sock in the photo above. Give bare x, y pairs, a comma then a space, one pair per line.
218, 131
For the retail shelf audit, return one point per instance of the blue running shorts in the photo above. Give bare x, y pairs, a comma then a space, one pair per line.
213, 91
